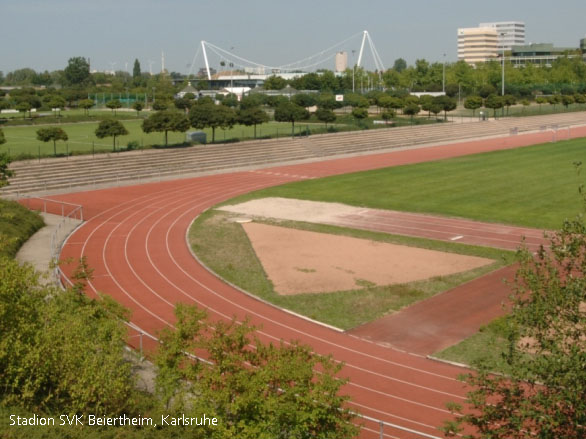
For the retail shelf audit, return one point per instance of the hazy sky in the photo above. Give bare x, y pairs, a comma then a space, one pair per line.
44, 34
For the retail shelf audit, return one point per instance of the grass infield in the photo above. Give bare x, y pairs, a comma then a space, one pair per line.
224, 247
535, 186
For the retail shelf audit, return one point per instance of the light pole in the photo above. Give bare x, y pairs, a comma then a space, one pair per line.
353, 70
503, 56
444, 76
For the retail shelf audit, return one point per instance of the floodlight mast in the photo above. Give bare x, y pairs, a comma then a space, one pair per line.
205, 57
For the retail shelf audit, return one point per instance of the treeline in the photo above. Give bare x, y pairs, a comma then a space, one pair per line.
566, 75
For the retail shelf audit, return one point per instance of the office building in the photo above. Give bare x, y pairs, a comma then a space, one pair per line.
509, 34
477, 44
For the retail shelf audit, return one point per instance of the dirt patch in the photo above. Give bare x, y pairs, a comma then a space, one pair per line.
298, 261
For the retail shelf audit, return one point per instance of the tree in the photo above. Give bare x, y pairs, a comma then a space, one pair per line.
5, 173
411, 110
110, 128
51, 134
57, 103
138, 106
473, 103
252, 116
326, 116
447, 104
113, 105
399, 65
2, 138
86, 104
160, 105
360, 113
388, 115
165, 121
136, 69
23, 107
212, 116
567, 100
254, 389
304, 100
495, 102
508, 101
544, 395
60, 350
275, 83
289, 112
77, 71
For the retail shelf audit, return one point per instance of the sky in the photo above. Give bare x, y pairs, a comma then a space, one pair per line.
44, 34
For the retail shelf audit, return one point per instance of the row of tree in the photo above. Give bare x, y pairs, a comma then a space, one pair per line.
566, 75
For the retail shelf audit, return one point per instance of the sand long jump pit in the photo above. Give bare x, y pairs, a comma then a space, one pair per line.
301, 262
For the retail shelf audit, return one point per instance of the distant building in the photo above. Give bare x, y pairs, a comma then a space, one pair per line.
509, 34
341, 61
541, 54
477, 44
188, 89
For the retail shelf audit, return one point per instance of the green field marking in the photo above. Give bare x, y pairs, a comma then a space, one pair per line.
225, 248
535, 186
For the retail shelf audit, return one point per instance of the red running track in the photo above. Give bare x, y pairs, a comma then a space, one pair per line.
135, 239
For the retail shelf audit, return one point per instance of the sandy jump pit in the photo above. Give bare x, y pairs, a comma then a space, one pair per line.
298, 261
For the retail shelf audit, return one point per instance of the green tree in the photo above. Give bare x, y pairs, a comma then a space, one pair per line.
399, 65
2, 138
160, 105
508, 101
57, 103
60, 350
567, 100
544, 396
447, 104
23, 107
137, 106
326, 116
495, 102
113, 105
252, 116
388, 115
110, 128
77, 71
212, 116
5, 173
290, 112
256, 390
360, 113
473, 103
275, 83
136, 69
411, 110
86, 104
304, 100
52, 134
165, 121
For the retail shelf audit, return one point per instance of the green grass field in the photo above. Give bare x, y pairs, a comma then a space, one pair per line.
535, 186
22, 140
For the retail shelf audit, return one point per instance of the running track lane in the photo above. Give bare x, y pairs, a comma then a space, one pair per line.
135, 241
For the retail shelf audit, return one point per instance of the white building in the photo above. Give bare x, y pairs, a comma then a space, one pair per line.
509, 33
477, 44
341, 61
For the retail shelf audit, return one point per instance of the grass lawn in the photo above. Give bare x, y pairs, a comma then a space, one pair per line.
22, 140
224, 247
535, 186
